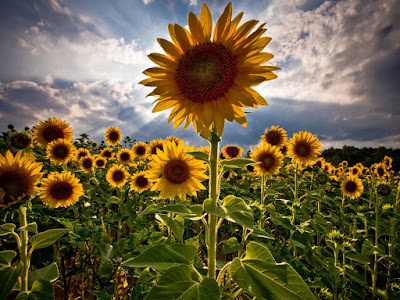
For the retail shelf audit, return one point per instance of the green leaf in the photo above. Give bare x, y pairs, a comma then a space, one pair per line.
262, 234
199, 155
353, 274
179, 209
164, 256
369, 249
6, 257
8, 278
233, 209
358, 257
231, 245
7, 228
41, 290
236, 163
102, 295
46, 238
49, 273
178, 283
31, 227
176, 224
259, 274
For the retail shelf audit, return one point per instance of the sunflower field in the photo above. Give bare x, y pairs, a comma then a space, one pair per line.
127, 219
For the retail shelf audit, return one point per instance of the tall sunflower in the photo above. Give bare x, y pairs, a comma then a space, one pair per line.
60, 189
140, 150
21, 140
269, 157
207, 76
50, 130
176, 173
352, 186
99, 161
380, 170
140, 182
112, 135
117, 176
275, 136
87, 163
60, 151
107, 153
388, 162
232, 151
125, 156
304, 148
18, 177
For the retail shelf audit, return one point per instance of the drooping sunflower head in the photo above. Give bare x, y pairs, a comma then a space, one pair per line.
140, 150
388, 162
21, 140
125, 156
18, 177
384, 189
352, 186
107, 153
140, 182
304, 148
207, 75
60, 189
322, 178
87, 163
117, 176
275, 136
154, 145
99, 161
176, 173
269, 158
232, 151
50, 130
60, 151
81, 152
112, 135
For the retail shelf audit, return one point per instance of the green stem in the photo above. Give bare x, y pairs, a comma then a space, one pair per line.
336, 255
375, 271
221, 273
262, 221
23, 251
391, 249
212, 220
294, 205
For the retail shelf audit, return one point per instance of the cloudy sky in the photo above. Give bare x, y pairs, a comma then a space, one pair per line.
81, 61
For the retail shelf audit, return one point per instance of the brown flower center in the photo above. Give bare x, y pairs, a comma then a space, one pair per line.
351, 186
14, 184
100, 163
250, 168
52, 133
21, 140
141, 181
140, 150
60, 151
380, 171
82, 154
233, 152
114, 136
355, 171
87, 163
302, 149
125, 156
176, 171
273, 137
107, 153
267, 161
206, 72
61, 190
118, 176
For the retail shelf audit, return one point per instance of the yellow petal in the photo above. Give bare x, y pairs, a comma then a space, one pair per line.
162, 60
183, 38
206, 22
195, 28
223, 23
163, 105
170, 48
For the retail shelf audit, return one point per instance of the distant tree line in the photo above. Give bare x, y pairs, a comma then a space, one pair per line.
366, 156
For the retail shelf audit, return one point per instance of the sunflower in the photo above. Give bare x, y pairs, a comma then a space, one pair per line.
176, 173
125, 156
140, 182
207, 80
228, 175
173, 139
355, 170
50, 130
221, 156
352, 186
232, 151
205, 149
304, 148
87, 163
154, 145
60, 151
275, 136
388, 162
107, 153
117, 176
380, 170
269, 157
140, 150
21, 140
112, 136
344, 164
18, 177
81, 152
60, 189
320, 162
99, 161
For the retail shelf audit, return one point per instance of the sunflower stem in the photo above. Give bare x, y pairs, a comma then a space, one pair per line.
375, 270
23, 251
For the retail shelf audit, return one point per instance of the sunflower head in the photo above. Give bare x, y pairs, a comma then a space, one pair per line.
18, 177
60, 189
100, 161
388, 162
380, 170
205, 149
384, 189
140, 150
176, 173
232, 151
125, 156
275, 136
304, 148
81, 152
60, 151
140, 182
322, 178
352, 186
207, 76
173, 139
112, 136
21, 140
355, 170
154, 145
87, 164
50, 130
269, 159
320, 162
344, 164
107, 153
117, 176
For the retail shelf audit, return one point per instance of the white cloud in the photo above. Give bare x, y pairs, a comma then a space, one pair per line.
147, 1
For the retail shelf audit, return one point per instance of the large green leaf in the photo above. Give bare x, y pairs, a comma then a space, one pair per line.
7, 228
199, 155
8, 278
233, 209
175, 223
259, 274
46, 238
41, 290
236, 163
178, 283
48, 273
164, 256
6, 258
231, 245
195, 211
